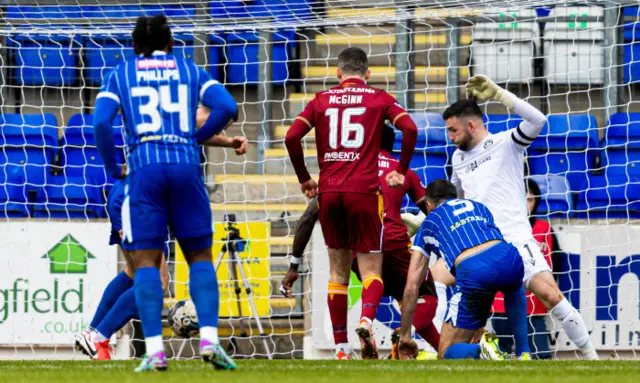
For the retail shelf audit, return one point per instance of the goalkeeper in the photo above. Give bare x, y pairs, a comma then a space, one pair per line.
117, 305
489, 168
395, 244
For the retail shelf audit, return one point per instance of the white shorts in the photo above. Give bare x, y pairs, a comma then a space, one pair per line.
532, 258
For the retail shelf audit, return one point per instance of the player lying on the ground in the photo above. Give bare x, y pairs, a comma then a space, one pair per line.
117, 305
396, 255
159, 93
489, 168
463, 233
348, 120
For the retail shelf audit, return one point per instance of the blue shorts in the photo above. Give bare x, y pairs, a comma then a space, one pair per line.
114, 209
167, 195
478, 279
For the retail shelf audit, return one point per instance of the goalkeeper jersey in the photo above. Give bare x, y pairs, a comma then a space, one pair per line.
493, 173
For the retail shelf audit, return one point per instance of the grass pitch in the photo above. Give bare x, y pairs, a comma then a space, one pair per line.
326, 371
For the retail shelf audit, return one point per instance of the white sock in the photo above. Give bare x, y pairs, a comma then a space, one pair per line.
154, 344
574, 327
344, 347
99, 337
210, 333
93, 334
441, 310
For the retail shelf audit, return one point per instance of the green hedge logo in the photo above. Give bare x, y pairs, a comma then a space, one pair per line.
68, 257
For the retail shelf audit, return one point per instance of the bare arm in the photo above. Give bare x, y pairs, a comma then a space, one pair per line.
417, 274
304, 228
422, 205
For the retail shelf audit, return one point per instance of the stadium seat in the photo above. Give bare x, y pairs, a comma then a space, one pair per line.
631, 54
69, 197
622, 145
432, 151
29, 143
505, 50
14, 196
566, 146
105, 52
242, 54
98, 11
497, 123
555, 196
216, 56
288, 10
79, 155
573, 50
49, 60
609, 197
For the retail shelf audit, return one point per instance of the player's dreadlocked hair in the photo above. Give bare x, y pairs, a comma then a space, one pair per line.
440, 190
353, 61
388, 138
151, 34
462, 108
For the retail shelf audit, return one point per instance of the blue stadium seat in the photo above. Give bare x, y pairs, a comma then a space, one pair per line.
183, 46
609, 197
47, 12
622, 145
68, 198
631, 49
279, 9
44, 60
555, 197
79, 155
216, 56
29, 143
497, 123
433, 149
566, 146
242, 56
105, 52
14, 196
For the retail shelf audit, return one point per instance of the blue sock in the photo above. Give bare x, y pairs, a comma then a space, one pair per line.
149, 299
462, 351
515, 303
122, 312
114, 290
203, 286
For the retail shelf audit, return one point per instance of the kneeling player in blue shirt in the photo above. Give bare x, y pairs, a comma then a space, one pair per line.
464, 234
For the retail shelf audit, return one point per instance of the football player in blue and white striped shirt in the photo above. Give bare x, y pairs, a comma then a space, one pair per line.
158, 94
464, 234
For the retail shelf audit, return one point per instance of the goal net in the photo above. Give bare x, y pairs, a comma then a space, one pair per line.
579, 63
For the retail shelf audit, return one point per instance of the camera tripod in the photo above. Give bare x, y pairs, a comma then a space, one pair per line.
230, 247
